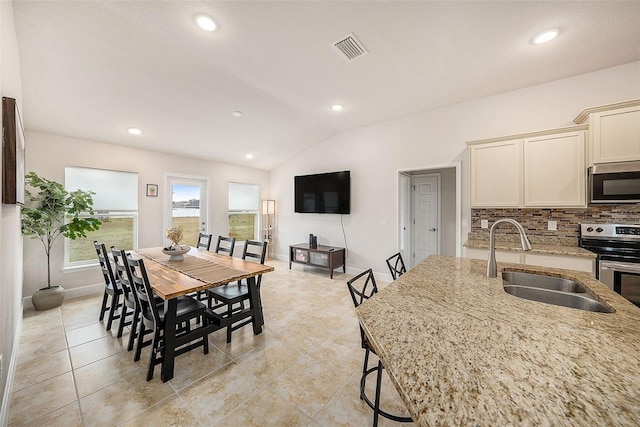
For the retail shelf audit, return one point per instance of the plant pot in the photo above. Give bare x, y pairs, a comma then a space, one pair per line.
176, 253
46, 298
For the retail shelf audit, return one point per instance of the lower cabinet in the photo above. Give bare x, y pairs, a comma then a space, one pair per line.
542, 260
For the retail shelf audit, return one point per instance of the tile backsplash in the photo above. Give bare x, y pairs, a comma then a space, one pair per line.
535, 222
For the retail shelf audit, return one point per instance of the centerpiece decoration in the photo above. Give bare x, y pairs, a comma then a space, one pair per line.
175, 251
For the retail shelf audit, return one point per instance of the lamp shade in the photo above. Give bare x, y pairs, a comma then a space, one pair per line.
269, 207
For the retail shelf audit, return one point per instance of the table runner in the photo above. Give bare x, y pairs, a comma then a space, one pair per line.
197, 268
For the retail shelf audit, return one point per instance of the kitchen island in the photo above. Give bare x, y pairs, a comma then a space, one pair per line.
461, 351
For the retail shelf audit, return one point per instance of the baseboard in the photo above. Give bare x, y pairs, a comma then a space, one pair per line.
82, 291
8, 387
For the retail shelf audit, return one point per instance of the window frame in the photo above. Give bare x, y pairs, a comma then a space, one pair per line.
70, 266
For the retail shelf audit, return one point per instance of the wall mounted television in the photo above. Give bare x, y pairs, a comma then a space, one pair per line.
323, 193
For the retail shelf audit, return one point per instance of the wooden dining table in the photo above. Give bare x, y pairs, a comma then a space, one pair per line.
200, 270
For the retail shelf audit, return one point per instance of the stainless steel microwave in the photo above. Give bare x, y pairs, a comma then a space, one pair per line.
614, 183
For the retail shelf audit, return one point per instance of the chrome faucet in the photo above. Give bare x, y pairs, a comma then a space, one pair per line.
492, 269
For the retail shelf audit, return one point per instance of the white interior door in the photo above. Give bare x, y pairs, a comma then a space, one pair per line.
426, 216
186, 207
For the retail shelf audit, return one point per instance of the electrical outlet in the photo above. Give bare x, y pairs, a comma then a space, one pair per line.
552, 225
484, 223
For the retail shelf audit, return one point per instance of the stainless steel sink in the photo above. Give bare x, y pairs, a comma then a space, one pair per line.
564, 299
541, 281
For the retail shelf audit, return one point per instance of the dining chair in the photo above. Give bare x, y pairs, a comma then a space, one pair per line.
153, 316
226, 245
131, 305
204, 241
396, 265
362, 287
112, 287
228, 295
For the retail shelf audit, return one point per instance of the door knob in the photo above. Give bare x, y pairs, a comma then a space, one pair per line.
432, 229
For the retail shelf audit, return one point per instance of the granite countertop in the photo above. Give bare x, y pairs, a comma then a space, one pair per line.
463, 352
545, 248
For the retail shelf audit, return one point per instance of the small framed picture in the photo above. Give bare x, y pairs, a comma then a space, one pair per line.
152, 190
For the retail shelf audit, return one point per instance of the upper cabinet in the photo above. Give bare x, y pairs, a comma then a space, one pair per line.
554, 170
542, 169
496, 174
614, 132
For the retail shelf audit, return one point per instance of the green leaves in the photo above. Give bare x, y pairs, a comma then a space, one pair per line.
47, 206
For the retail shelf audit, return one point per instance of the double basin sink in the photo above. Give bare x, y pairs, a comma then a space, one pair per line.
551, 290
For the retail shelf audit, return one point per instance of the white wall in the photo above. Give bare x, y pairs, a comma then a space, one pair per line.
10, 239
48, 155
437, 137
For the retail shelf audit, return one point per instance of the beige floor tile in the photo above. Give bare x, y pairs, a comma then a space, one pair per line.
310, 384
42, 398
170, 412
110, 370
346, 409
34, 371
95, 350
34, 321
68, 416
194, 365
82, 312
242, 341
87, 333
108, 406
266, 409
269, 361
48, 341
220, 393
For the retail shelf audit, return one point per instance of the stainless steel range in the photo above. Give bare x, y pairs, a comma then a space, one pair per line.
618, 262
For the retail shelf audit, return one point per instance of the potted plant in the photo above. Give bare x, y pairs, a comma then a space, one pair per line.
43, 218
175, 251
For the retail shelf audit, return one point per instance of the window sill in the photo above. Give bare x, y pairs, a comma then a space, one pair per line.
79, 268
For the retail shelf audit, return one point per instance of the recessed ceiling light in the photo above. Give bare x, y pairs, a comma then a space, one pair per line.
337, 107
134, 131
546, 36
206, 22
237, 114
248, 156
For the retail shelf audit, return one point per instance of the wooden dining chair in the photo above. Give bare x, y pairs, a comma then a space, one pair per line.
152, 320
204, 241
362, 287
130, 303
112, 288
226, 245
227, 296
396, 265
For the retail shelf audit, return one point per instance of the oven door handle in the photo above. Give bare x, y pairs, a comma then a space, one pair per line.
621, 266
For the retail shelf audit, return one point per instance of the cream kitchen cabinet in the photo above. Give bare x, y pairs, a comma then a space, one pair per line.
496, 174
614, 132
542, 169
555, 170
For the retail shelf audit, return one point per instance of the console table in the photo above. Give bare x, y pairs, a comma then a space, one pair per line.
330, 257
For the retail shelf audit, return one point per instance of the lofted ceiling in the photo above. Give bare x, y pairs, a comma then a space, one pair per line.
92, 69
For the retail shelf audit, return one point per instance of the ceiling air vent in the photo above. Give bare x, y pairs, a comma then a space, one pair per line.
350, 47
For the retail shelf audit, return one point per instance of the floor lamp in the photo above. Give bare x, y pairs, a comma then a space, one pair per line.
269, 214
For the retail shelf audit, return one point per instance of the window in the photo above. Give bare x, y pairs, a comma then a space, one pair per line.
115, 202
244, 202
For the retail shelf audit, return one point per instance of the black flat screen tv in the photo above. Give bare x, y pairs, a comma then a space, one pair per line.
323, 193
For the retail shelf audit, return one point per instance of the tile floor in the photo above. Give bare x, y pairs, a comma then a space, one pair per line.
303, 370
